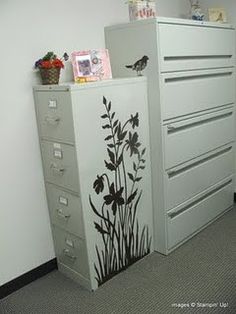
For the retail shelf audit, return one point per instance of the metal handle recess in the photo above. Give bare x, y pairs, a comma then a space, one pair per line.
57, 170
67, 254
52, 120
60, 214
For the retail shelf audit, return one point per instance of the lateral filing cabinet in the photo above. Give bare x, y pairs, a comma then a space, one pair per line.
191, 90
91, 135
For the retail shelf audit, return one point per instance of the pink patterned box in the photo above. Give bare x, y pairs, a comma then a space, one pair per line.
139, 10
91, 65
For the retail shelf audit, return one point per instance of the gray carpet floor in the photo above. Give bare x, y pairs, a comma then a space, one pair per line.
202, 271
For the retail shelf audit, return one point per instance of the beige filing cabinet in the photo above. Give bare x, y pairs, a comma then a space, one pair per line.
191, 90
94, 142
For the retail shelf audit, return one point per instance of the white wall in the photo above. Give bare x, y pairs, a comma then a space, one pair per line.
28, 29
176, 8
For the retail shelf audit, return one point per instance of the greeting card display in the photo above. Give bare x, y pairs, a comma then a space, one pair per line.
91, 65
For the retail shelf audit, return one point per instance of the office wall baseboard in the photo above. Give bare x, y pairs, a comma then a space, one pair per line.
27, 278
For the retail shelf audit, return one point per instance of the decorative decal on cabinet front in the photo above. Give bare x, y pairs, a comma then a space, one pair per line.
124, 240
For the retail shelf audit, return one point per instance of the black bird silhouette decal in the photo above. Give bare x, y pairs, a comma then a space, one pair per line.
139, 65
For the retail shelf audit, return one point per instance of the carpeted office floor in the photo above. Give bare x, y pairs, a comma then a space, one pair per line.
202, 271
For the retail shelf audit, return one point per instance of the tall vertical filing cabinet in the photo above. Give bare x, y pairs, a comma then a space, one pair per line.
191, 91
94, 141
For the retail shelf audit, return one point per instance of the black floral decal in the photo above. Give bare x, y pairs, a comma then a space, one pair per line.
124, 241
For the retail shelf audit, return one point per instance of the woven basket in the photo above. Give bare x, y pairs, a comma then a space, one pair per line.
50, 76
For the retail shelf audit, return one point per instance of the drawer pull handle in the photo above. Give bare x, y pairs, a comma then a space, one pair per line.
52, 121
57, 170
197, 76
175, 213
195, 163
171, 173
67, 254
61, 215
170, 127
191, 124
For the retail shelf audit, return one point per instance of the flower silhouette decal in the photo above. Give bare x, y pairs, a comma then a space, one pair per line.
124, 240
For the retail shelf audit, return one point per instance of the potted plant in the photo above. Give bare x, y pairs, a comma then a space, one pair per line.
50, 66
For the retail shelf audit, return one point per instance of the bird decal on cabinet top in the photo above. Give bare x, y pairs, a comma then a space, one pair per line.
139, 65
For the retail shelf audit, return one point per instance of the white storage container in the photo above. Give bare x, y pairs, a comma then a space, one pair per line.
96, 162
191, 90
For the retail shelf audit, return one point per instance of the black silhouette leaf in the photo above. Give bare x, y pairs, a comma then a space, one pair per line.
98, 184
134, 166
108, 138
132, 196
115, 124
107, 126
121, 136
119, 143
138, 179
131, 176
104, 100
104, 116
143, 151
100, 229
111, 145
113, 114
111, 155
119, 130
142, 167
110, 166
109, 106
142, 160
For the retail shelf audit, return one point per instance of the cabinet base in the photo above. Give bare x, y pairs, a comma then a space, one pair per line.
84, 282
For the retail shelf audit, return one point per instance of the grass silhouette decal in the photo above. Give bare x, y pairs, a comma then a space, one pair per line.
124, 240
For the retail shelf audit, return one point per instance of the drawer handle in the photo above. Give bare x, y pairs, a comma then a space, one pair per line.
190, 124
57, 170
52, 121
177, 58
67, 254
170, 127
197, 76
60, 214
177, 212
181, 169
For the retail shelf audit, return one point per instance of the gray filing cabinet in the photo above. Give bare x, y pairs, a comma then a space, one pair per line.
191, 90
94, 141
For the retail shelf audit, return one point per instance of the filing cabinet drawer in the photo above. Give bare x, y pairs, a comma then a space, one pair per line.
186, 47
54, 113
65, 210
189, 179
60, 165
185, 221
189, 92
71, 251
193, 137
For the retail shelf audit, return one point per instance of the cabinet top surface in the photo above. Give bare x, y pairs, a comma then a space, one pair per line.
79, 86
176, 21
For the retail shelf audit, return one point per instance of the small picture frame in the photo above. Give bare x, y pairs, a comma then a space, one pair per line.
91, 65
217, 15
